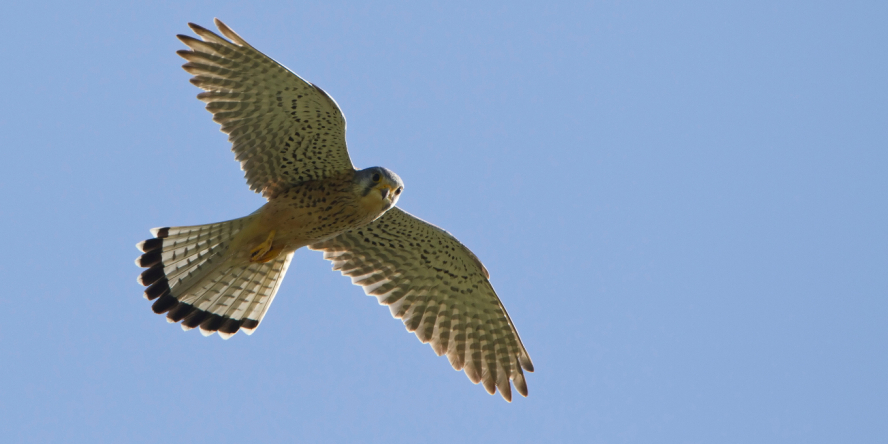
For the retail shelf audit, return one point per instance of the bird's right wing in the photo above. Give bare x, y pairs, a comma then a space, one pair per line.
283, 129
441, 292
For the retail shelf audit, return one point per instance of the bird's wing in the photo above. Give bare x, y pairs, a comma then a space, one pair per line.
283, 129
440, 290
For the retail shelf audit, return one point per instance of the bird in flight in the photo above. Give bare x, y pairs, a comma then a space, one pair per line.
289, 137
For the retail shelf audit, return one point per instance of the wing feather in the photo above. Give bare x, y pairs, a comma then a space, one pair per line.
283, 129
440, 290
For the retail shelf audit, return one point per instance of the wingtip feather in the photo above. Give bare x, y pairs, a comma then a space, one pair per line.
186, 39
520, 384
472, 373
489, 385
525, 362
228, 32
506, 392
195, 27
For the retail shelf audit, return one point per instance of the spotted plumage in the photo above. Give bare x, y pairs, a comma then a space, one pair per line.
289, 137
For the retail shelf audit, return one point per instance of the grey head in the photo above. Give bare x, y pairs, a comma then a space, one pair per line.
383, 180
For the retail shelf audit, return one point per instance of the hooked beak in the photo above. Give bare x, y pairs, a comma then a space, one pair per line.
387, 191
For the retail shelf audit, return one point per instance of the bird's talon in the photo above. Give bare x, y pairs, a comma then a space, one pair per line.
261, 252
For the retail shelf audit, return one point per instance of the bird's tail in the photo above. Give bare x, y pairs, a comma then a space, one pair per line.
192, 277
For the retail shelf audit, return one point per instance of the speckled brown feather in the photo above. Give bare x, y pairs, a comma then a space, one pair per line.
283, 129
440, 290
313, 210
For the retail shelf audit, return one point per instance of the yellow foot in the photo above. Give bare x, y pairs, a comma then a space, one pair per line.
263, 252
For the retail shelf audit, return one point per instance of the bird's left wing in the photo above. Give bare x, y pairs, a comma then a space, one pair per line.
440, 290
283, 129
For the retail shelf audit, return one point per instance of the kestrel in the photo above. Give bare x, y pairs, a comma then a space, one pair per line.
289, 137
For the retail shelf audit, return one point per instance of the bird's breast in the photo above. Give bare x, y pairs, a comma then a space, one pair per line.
314, 211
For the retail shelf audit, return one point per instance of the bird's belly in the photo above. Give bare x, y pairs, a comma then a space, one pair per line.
298, 227
302, 217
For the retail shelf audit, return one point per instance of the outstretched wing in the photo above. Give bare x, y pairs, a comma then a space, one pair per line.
440, 290
284, 130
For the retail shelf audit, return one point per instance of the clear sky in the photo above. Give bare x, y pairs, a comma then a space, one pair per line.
681, 204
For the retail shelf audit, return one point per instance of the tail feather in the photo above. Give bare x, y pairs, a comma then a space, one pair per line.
190, 278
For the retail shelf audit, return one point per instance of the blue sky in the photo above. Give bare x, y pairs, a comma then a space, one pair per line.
682, 205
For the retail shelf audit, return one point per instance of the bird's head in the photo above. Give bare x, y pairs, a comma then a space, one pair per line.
378, 184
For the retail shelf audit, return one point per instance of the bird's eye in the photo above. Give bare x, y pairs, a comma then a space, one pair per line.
398, 191
376, 177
